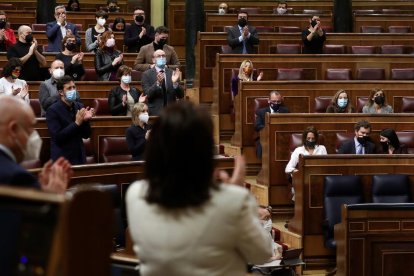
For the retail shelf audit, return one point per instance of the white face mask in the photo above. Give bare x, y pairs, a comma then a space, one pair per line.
58, 73
101, 21
126, 79
221, 11
268, 225
110, 43
143, 117
281, 10
33, 146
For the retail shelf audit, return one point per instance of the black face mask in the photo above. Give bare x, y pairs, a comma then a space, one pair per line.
162, 42
242, 22
385, 146
113, 9
274, 106
313, 23
310, 144
29, 38
363, 140
379, 100
139, 18
71, 46
2, 24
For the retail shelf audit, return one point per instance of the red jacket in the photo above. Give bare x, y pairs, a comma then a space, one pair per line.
10, 37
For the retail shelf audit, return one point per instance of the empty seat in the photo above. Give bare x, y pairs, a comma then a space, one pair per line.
101, 107
89, 152
35, 105
407, 105
321, 103
227, 28
290, 74
367, 11
250, 10
289, 29
39, 27
288, 48
338, 74
371, 29
391, 188
265, 29
136, 75
338, 190
402, 74
114, 149
342, 137
407, 138
90, 75
391, 11
7, 6
399, 29
334, 49
313, 12
225, 49
370, 74
392, 49
363, 50
361, 102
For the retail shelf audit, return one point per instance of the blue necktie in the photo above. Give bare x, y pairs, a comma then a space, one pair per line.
360, 150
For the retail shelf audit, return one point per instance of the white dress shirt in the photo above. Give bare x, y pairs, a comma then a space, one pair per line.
294, 158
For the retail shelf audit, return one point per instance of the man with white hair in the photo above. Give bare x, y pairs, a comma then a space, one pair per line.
26, 50
57, 30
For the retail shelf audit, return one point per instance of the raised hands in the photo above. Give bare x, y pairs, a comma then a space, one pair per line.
117, 60
84, 115
176, 75
55, 177
238, 175
142, 98
143, 32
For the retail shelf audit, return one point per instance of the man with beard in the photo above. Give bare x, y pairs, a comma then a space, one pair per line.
242, 37
145, 56
361, 143
138, 33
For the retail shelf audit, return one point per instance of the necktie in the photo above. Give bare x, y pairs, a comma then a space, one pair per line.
360, 150
164, 90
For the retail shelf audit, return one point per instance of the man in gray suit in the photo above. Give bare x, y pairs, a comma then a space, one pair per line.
161, 84
242, 37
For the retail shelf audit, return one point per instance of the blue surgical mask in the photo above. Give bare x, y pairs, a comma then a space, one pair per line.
342, 102
70, 95
160, 62
126, 79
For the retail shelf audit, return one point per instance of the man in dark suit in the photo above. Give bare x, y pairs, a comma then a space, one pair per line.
161, 84
68, 122
361, 143
275, 106
242, 37
57, 30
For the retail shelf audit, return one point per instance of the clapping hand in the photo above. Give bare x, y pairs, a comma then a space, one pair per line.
124, 100
117, 60
245, 32
55, 177
142, 98
89, 113
160, 78
176, 75
16, 91
238, 175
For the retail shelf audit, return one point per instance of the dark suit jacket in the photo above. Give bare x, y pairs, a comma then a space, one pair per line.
54, 35
233, 35
135, 136
103, 64
66, 135
13, 174
155, 93
115, 100
348, 147
260, 116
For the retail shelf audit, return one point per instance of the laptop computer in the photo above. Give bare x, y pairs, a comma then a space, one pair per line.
292, 257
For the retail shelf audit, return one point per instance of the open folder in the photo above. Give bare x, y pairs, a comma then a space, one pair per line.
290, 257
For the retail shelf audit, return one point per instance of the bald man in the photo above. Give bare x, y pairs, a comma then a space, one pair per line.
19, 141
161, 84
26, 50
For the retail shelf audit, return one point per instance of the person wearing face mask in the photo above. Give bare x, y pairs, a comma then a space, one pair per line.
161, 84
57, 30
223, 8
361, 144
242, 37
48, 92
340, 103
19, 142
72, 59
145, 59
68, 123
138, 133
377, 103
265, 217
314, 37
310, 139
73, 5
107, 58
93, 34
390, 143
7, 37
26, 50
112, 6
123, 97
119, 25
246, 73
281, 8
10, 84
139, 33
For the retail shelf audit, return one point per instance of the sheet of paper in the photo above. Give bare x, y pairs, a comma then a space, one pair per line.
270, 264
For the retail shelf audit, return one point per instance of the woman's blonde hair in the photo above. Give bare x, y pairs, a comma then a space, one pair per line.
241, 75
136, 110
